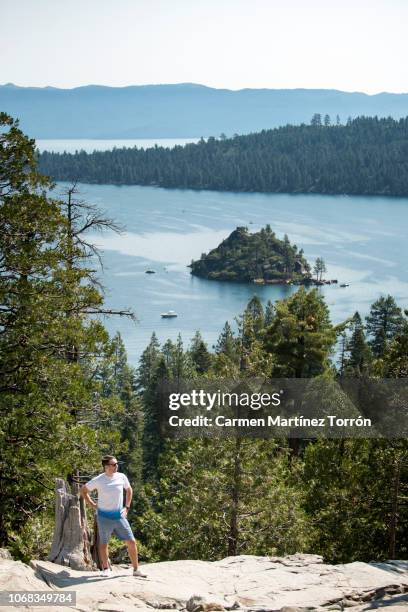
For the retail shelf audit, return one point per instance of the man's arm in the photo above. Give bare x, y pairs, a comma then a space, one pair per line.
129, 495
84, 492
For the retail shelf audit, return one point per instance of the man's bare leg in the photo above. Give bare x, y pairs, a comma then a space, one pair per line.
103, 554
132, 552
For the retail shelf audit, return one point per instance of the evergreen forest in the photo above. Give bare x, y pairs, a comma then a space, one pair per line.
368, 155
68, 395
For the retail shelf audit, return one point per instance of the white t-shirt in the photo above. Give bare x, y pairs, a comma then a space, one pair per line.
110, 490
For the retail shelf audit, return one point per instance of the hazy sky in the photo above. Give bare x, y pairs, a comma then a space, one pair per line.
353, 45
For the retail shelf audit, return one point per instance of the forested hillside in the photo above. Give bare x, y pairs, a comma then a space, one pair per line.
342, 498
366, 156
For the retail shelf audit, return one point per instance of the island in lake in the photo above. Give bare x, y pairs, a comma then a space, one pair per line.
258, 257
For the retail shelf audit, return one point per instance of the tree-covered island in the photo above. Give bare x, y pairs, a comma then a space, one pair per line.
258, 257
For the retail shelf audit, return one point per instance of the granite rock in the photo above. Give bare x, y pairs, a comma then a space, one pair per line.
296, 583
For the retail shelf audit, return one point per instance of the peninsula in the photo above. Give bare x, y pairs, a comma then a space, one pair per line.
259, 257
367, 156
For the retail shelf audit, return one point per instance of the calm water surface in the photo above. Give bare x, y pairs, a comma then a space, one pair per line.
362, 239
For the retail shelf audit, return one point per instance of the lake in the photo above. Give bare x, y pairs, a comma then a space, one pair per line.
362, 239
70, 145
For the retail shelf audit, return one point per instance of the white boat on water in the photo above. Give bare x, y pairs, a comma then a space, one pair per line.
170, 314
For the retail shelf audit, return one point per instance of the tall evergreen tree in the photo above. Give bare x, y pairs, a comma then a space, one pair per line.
152, 438
395, 359
288, 255
148, 363
301, 336
227, 342
200, 354
255, 312
316, 120
44, 396
269, 313
319, 268
359, 354
383, 323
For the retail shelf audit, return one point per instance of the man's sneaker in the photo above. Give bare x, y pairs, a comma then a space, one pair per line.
105, 573
139, 574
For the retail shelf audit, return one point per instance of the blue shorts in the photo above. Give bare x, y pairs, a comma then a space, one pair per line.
120, 527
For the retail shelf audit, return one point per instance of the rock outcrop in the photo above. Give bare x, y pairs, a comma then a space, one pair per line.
247, 583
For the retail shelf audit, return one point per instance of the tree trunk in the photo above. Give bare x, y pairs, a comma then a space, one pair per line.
70, 544
235, 498
394, 509
95, 546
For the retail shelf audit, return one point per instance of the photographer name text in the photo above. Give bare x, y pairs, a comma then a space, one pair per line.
271, 421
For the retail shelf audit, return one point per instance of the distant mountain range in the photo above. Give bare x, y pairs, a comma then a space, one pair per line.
184, 110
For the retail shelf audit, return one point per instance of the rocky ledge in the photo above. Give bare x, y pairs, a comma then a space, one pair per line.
247, 583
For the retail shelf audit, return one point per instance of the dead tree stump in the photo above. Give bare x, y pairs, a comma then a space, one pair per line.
71, 545
95, 545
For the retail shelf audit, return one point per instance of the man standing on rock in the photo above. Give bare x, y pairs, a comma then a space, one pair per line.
111, 515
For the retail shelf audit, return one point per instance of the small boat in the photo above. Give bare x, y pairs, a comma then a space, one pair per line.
170, 314
345, 285
150, 272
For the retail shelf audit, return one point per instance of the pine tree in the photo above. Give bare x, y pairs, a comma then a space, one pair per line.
152, 439
319, 268
227, 343
237, 496
42, 393
255, 312
288, 255
182, 367
342, 349
148, 363
359, 353
316, 120
395, 358
269, 313
301, 336
383, 323
200, 354
31, 432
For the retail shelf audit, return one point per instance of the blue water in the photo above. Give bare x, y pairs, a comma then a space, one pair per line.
362, 239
